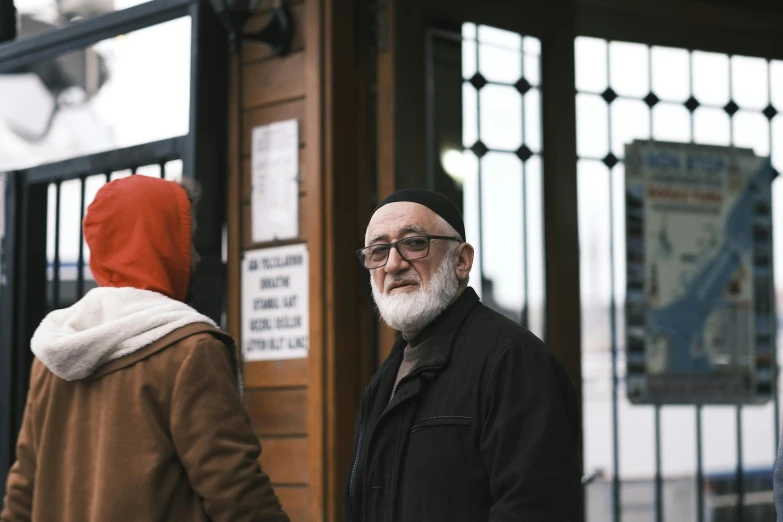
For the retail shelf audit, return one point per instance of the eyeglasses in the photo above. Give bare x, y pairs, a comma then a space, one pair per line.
409, 248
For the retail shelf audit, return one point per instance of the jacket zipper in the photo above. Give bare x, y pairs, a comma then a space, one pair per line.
361, 435
358, 452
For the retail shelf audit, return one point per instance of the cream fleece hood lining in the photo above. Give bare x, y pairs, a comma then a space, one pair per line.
106, 324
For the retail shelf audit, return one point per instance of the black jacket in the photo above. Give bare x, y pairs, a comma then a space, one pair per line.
485, 428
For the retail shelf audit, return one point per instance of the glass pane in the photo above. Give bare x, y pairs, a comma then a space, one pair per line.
777, 147
720, 453
533, 120
670, 73
503, 234
38, 16
469, 31
777, 244
536, 276
637, 443
499, 38
629, 68
501, 112
469, 115
594, 230
711, 78
174, 170
711, 126
468, 58
120, 174
630, 121
532, 69
70, 202
51, 194
671, 123
531, 45
751, 130
499, 64
749, 82
592, 138
776, 80
591, 69
470, 210
618, 228
758, 445
92, 185
679, 457
121, 92
152, 171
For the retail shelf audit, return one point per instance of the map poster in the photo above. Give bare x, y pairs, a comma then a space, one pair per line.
700, 302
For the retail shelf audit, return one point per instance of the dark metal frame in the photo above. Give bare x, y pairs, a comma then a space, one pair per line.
203, 152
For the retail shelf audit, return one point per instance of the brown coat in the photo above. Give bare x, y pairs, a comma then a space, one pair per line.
158, 435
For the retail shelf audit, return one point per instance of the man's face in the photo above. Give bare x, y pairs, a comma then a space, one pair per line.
410, 294
396, 221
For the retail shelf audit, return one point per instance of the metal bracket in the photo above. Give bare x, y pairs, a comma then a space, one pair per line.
279, 31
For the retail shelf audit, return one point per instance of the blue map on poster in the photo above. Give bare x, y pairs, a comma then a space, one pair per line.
682, 321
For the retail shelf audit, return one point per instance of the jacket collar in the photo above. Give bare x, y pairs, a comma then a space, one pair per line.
166, 341
438, 336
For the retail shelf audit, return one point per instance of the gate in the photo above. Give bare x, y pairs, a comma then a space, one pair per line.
659, 462
33, 277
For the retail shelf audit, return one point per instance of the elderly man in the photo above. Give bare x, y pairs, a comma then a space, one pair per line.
471, 418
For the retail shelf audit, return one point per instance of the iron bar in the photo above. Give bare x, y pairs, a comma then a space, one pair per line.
616, 501
56, 263
699, 469
78, 35
740, 478
525, 319
658, 474
480, 178
110, 161
773, 332
80, 262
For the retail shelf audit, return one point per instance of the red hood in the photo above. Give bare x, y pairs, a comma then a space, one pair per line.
138, 231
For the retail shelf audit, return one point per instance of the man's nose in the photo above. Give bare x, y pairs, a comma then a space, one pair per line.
395, 263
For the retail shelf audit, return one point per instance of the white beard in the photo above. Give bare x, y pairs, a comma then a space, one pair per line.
411, 312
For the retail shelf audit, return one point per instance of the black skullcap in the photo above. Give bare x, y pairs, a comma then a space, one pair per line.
434, 201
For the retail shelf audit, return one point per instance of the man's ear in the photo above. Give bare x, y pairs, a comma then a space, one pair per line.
465, 254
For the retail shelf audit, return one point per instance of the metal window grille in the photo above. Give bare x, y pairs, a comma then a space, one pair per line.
632, 91
500, 167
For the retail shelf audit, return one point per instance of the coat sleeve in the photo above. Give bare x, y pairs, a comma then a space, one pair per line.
529, 437
19, 487
215, 441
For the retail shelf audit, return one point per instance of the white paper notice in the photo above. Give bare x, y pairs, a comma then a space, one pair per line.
275, 182
275, 303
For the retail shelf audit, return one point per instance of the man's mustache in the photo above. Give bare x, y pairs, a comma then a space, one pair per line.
390, 280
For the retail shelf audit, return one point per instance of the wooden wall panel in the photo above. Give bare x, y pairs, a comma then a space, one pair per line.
276, 374
387, 137
285, 459
274, 81
321, 84
277, 411
295, 501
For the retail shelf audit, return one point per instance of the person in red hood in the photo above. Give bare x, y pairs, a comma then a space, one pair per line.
135, 405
